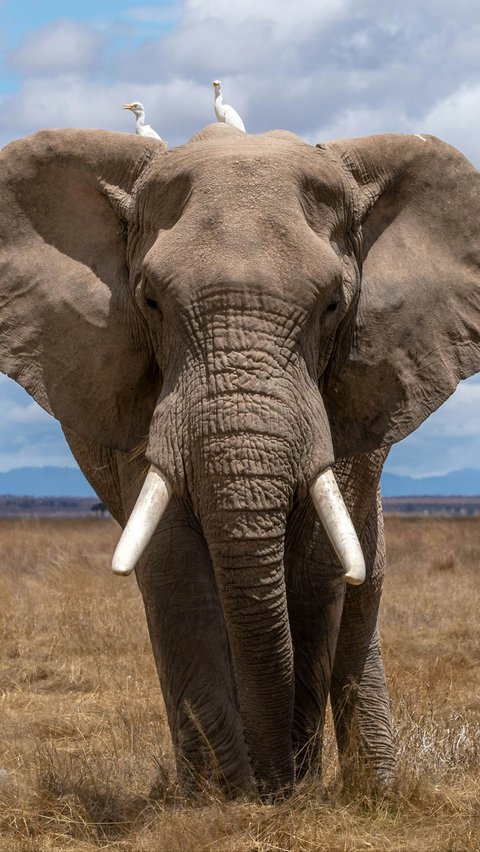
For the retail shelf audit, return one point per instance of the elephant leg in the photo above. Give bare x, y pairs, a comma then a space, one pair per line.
315, 591
325, 620
190, 645
185, 622
359, 693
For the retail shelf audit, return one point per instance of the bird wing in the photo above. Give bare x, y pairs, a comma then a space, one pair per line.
149, 131
232, 117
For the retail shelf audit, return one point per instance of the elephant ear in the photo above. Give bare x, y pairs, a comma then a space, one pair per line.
70, 333
416, 331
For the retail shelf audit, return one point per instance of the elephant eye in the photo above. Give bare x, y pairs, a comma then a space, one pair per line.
151, 302
333, 305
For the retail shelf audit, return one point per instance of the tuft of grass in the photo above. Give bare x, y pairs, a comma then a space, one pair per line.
445, 562
85, 754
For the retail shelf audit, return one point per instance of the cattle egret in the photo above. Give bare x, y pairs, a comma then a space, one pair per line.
225, 112
141, 128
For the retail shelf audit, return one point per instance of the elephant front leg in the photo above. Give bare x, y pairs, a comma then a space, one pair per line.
190, 646
361, 715
316, 589
359, 694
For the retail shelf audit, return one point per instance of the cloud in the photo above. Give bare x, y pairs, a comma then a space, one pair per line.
459, 415
457, 118
448, 440
28, 435
286, 21
165, 14
78, 102
174, 109
40, 454
361, 122
30, 414
59, 47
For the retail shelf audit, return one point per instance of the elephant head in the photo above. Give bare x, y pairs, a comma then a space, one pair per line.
249, 309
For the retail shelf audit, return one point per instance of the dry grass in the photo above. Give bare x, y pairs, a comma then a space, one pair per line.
83, 735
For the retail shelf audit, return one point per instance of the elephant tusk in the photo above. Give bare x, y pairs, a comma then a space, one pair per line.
337, 523
142, 523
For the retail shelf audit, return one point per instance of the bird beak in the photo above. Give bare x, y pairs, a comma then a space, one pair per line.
127, 106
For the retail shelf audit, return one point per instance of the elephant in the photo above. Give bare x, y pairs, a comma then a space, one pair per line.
232, 334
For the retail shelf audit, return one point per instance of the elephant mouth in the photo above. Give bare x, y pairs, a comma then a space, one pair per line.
155, 496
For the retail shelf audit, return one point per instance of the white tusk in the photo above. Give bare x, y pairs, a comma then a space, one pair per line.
142, 523
337, 523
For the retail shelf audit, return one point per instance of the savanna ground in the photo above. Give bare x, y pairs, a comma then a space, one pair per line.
85, 758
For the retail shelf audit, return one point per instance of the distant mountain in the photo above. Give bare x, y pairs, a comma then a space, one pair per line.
45, 482
70, 482
459, 482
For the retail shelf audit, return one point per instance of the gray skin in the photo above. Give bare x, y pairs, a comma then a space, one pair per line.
243, 312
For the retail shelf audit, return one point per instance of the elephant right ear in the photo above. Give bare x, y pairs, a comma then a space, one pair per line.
415, 332
70, 332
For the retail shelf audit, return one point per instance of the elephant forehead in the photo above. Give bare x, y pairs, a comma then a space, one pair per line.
243, 210
243, 241
242, 171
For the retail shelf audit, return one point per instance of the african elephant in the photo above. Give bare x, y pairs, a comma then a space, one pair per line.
243, 314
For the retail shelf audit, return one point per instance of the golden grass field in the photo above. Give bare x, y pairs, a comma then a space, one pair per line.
85, 758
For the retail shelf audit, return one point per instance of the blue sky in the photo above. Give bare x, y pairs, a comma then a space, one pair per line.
324, 70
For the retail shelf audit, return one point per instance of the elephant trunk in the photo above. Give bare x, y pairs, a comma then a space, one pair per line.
243, 518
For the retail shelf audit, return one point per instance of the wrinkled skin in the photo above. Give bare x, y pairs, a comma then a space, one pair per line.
244, 312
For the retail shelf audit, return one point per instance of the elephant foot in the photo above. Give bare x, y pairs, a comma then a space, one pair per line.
374, 776
275, 780
308, 756
271, 796
205, 773
192, 784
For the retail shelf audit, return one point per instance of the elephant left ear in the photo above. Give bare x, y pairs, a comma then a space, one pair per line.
70, 332
416, 331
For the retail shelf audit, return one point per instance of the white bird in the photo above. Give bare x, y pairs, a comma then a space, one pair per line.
225, 112
141, 128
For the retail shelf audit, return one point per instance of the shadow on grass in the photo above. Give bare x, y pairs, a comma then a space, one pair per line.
66, 798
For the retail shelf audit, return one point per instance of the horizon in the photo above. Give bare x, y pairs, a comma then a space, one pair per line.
74, 467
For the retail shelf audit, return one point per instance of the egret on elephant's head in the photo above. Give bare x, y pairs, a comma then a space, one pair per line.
225, 112
142, 129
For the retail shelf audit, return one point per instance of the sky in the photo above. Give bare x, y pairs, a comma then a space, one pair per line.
323, 70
